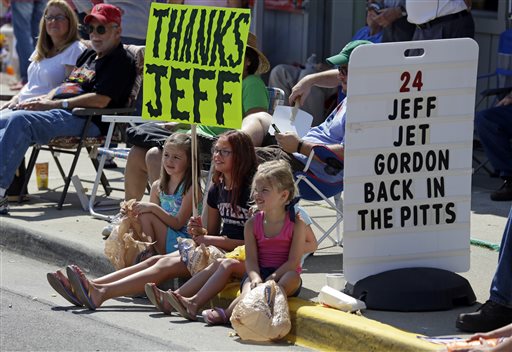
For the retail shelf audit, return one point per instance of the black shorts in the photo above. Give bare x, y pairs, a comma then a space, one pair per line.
266, 272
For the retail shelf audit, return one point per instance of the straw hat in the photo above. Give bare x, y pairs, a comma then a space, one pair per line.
264, 66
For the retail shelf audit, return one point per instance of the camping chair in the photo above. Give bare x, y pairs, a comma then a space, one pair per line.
313, 188
73, 145
503, 73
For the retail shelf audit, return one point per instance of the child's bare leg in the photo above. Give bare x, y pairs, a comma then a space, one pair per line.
290, 282
153, 227
246, 288
166, 268
193, 285
226, 269
119, 274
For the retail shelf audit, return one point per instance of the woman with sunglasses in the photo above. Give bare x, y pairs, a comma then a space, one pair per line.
58, 46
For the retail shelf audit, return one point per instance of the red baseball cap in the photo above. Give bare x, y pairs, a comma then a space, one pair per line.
104, 13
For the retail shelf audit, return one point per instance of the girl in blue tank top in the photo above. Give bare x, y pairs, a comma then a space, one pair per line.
164, 218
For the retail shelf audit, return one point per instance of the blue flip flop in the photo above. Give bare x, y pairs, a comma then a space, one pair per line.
61, 289
78, 287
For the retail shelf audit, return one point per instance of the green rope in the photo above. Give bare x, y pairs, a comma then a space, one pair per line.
482, 243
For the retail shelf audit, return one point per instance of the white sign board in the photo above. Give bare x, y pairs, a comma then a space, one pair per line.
408, 153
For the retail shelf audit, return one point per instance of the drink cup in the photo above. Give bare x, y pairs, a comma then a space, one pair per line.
42, 175
335, 281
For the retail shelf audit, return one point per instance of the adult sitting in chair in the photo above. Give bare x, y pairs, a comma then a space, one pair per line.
58, 46
103, 77
331, 133
494, 129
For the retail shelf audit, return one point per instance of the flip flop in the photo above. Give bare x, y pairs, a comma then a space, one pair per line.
60, 287
76, 282
175, 302
212, 321
155, 295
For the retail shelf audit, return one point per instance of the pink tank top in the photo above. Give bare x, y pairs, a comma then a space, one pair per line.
273, 252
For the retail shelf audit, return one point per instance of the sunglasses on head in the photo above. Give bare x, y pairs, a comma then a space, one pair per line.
101, 29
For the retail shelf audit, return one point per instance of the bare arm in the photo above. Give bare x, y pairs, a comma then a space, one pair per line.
251, 254
88, 100
175, 222
289, 142
324, 79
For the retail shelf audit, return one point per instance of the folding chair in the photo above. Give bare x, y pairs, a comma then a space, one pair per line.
503, 73
312, 188
501, 84
73, 145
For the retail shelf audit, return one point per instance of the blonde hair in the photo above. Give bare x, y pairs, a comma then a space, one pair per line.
279, 175
44, 41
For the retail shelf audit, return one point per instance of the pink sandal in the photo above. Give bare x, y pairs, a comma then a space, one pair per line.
211, 319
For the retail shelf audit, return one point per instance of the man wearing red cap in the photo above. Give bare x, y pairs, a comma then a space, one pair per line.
103, 78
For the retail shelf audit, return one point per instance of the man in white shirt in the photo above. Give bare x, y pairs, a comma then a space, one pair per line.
440, 19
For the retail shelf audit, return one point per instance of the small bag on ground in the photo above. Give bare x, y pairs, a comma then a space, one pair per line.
263, 314
127, 242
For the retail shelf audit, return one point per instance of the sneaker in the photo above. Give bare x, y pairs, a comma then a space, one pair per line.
504, 193
489, 316
4, 205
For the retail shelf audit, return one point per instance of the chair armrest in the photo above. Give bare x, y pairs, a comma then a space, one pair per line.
328, 156
96, 112
495, 91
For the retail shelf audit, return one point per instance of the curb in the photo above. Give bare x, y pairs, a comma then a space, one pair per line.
43, 247
313, 326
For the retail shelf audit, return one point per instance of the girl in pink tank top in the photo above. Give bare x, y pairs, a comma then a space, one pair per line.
274, 237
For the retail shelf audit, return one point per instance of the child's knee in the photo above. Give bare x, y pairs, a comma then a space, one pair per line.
229, 264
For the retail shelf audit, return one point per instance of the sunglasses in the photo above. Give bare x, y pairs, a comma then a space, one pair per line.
343, 70
222, 152
101, 29
58, 18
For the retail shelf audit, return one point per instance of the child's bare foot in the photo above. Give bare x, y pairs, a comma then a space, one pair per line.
157, 297
83, 287
176, 301
189, 304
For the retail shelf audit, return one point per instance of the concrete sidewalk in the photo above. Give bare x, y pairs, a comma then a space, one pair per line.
37, 229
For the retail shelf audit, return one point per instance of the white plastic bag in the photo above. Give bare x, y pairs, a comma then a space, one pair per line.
339, 300
263, 314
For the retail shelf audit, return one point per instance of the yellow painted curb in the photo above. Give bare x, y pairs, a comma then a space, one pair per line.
326, 329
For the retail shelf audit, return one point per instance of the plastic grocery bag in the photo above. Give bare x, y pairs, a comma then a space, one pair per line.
127, 243
263, 314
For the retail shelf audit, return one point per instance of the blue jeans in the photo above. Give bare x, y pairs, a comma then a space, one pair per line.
20, 129
501, 286
26, 15
494, 127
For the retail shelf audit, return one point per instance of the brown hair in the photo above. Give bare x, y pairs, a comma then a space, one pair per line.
244, 164
44, 41
183, 142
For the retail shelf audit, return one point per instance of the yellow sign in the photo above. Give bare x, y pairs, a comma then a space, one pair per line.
193, 64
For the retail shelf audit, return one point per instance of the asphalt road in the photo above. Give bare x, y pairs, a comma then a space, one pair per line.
34, 318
